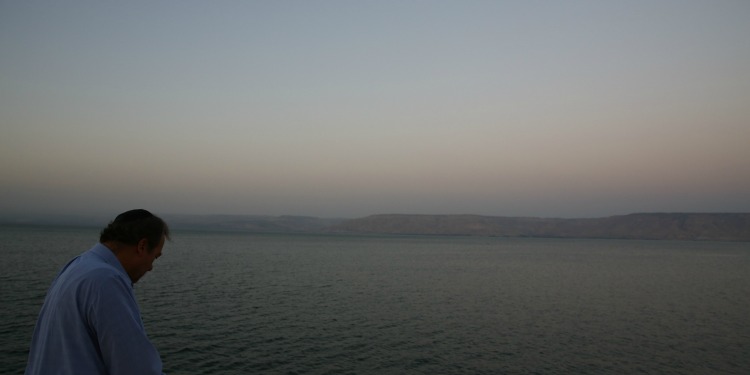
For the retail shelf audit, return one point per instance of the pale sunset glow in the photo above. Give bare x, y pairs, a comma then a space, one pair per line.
351, 108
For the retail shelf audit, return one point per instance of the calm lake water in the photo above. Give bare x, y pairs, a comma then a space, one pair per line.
219, 303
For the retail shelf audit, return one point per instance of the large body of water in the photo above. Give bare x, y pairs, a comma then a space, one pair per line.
219, 303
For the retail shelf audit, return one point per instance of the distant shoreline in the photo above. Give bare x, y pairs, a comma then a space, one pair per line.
643, 226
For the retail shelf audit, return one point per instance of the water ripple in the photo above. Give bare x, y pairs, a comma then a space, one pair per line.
237, 304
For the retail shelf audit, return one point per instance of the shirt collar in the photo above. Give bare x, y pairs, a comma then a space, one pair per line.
110, 258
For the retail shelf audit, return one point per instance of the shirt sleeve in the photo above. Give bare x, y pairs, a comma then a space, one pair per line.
115, 321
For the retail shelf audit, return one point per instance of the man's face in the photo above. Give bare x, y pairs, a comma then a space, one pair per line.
146, 260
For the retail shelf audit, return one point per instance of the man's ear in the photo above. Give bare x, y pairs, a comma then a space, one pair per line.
142, 246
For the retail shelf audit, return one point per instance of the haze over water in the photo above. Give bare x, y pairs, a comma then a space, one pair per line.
344, 109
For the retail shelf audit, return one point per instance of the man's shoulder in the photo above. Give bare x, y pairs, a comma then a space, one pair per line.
100, 272
98, 258
90, 268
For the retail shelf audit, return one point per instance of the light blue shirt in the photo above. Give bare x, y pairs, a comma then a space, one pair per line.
90, 322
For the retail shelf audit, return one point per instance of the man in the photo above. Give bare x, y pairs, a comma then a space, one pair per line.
90, 322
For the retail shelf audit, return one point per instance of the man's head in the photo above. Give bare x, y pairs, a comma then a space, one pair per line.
137, 238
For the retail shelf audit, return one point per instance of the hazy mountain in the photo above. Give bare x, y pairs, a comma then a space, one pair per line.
241, 223
659, 226
252, 223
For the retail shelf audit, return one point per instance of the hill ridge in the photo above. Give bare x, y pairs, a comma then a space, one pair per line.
647, 226
650, 226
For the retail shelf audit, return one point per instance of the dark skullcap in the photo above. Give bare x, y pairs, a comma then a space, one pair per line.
133, 215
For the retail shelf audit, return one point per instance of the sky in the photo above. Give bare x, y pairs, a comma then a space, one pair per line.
350, 108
